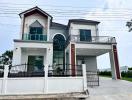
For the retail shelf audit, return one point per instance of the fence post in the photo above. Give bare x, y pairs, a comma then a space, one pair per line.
84, 76
4, 83
46, 79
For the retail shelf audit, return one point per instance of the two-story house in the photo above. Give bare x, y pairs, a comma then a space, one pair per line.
44, 42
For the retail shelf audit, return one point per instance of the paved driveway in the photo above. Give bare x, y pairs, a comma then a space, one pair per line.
111, 90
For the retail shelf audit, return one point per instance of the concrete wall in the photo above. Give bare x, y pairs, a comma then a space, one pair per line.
63, 84
32, 18
74, 29
37, 85
90, 61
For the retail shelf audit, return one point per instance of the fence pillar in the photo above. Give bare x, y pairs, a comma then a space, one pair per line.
4, 83
84, 77
46, 79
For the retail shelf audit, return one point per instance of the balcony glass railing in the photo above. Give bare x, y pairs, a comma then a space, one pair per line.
93, 39
36, 37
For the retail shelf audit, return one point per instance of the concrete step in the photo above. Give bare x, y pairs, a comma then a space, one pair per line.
68, 96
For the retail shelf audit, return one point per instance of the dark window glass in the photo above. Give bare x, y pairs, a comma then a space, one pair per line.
35, 63
85, 35
36, 33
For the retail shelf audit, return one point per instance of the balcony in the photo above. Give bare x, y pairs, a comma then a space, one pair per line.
36, 37
92, 39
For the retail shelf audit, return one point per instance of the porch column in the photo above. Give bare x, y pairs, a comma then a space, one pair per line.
49, 56
72, 56
16, 56
114, 63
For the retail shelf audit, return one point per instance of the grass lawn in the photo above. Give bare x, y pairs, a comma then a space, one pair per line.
127, 79
123, 78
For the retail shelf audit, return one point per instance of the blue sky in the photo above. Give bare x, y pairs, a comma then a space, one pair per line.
112, 14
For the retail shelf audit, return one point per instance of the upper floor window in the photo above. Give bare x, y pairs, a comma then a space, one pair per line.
36, 28
85, 35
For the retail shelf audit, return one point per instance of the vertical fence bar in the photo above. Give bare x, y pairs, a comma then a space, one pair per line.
4, 83
46, 79
84, 77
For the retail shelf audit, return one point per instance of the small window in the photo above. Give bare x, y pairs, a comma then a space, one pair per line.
85, 35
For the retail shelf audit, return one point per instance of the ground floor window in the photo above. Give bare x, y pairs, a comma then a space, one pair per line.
35, 63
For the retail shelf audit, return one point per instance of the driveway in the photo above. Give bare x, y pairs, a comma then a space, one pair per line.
111, 90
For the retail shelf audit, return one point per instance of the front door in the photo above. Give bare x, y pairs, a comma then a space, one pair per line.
35, 63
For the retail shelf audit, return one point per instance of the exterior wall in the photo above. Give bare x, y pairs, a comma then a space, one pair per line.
74, 29
56, 31
26, 52
90, 61
20, 56
25, 86
63, 84
32, 18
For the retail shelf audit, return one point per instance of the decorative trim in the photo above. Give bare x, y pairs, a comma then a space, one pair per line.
73, 60
116, 62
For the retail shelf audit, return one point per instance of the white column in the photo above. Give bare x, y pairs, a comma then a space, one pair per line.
4, 83
46, 79
49, 56
48, 26
16, 56
112, 62
84, 77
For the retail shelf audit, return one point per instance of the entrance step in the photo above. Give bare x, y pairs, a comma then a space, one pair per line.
66, 96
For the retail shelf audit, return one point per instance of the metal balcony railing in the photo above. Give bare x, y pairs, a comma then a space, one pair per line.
36, 37
92, 39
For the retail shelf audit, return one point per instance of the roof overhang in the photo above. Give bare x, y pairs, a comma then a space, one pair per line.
33, 11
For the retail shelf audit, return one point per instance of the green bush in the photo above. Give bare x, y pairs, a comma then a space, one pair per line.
126, 74
105, 73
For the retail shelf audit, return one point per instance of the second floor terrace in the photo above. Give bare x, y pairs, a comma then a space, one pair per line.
72, 38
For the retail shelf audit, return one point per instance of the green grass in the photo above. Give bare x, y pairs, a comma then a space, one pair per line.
123, 78
127, 79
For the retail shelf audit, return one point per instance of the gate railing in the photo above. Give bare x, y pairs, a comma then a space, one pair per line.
92, 78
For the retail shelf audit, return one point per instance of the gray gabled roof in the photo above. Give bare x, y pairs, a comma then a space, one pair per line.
82, 21
35, 8
58, 25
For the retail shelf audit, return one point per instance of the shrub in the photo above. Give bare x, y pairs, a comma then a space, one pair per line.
105, 73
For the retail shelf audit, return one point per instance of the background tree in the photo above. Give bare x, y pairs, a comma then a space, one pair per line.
129, 25
6, 57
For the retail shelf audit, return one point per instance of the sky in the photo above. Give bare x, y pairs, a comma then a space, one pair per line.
113, 15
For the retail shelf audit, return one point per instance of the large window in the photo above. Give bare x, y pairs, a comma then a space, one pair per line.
59, 50
35, 63
85, 35
36, 31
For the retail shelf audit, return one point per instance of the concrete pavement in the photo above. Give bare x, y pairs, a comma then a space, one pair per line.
111, 90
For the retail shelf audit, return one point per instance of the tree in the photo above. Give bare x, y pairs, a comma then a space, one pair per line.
129, 25
6, 57
130, 68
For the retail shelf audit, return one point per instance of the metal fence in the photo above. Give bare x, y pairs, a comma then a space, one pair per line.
92, 78
64, 70
22, 71
59, 70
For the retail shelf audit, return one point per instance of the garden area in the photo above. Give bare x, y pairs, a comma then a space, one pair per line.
125, 75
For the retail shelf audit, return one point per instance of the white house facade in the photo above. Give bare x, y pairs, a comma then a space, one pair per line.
44, 42
52, 58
